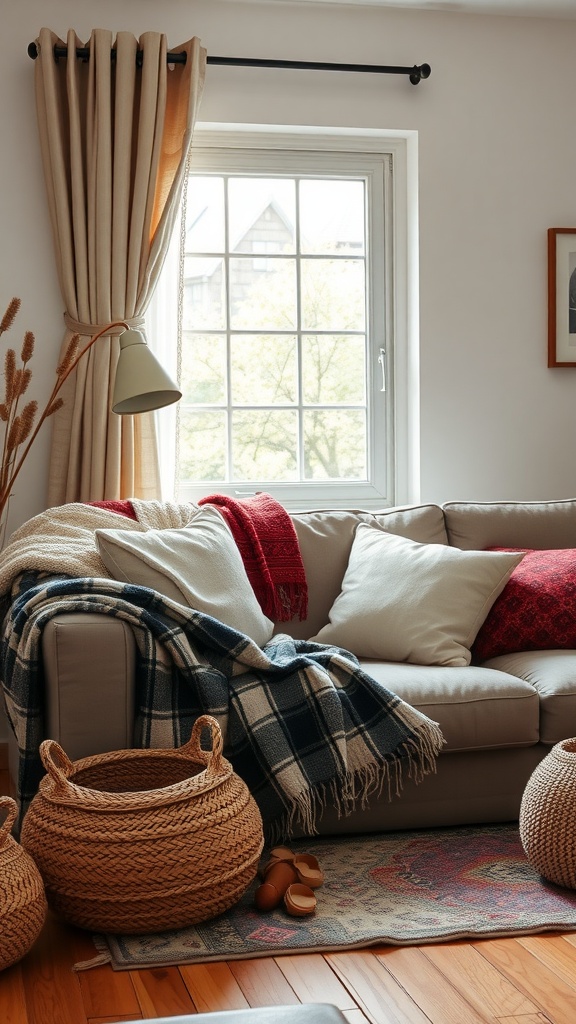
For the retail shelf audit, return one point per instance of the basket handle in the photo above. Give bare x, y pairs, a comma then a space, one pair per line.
6, 827
211, 758
56, 762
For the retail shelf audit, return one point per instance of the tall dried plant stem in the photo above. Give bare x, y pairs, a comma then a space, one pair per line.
63, 373
14, 426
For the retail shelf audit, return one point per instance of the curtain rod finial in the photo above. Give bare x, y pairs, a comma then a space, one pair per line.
32, 50
419, 72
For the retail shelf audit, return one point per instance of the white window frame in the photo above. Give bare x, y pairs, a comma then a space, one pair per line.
388, 161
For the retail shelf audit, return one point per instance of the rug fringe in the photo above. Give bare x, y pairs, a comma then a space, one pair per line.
104, 957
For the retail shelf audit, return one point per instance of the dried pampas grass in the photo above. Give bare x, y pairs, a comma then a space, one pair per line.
20, 420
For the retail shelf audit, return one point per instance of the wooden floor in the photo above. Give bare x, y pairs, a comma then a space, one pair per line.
529, 980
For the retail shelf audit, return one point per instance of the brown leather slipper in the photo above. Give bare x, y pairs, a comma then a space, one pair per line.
276, 881
308, 870
281, 853
299, 900
278, 854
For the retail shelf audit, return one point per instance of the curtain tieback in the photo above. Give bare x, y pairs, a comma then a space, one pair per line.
135, 323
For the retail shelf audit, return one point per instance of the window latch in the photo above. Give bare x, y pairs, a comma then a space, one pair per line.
382, 361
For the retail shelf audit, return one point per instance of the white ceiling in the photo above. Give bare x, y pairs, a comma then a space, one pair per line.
536, 8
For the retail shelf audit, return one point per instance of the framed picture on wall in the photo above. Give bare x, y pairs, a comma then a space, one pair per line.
561, 296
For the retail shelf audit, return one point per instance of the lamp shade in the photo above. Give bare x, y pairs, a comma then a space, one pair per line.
141, 383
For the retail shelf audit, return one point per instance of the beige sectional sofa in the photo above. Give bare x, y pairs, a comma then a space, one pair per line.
498, 718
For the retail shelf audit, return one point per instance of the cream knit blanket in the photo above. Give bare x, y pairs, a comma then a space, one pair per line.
61, 540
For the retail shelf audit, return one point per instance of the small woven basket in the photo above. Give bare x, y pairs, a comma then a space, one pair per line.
140, 841
547, 816
22, 898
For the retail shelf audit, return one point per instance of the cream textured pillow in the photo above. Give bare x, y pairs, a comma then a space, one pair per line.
198, 565
422, 603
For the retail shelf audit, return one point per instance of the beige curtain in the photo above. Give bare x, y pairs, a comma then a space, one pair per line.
114, 140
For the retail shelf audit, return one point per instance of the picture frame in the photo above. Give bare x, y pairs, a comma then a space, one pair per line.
561, 297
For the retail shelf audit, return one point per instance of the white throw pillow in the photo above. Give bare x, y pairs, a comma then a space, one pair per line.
406, 601
198, 565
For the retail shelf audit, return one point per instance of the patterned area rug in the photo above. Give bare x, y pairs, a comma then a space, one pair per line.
403, 888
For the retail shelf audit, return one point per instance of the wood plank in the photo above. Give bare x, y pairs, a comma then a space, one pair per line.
263, 983
314, 981
374, 989
52, 989
531, 1018
110, 1020
161, 992
355, 1016
431, 991
554, 952
478, 981
552, 995
104, 991
12, 997
213, 987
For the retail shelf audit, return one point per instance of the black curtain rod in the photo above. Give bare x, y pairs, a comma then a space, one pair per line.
415, 73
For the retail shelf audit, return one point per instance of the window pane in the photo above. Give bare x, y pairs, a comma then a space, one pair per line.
262, 297
262, 214
263, 369
333, 369
278, 283
203, 445
332, 216
204, 293
333, 295
264, 445
203, 368
335, 444
205, 214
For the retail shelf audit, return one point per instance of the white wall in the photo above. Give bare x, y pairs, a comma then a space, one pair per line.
497, 161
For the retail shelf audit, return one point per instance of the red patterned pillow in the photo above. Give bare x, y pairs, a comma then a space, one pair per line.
536, 611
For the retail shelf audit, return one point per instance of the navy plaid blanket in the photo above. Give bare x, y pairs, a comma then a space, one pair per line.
303, 725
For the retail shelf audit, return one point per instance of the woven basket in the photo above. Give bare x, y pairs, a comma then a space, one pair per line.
22, 898
141, 841
548, 818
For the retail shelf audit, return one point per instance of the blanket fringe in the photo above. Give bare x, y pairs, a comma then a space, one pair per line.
358, 788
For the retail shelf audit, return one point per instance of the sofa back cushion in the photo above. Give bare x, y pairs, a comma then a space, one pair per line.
325, 539
511, 524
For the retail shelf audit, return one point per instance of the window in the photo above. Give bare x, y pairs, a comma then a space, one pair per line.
287, 318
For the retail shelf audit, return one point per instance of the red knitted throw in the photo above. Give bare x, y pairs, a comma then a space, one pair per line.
268, 544
121, 507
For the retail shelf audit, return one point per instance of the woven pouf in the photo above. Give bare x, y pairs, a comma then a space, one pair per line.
22, 899
548, 816
140, 841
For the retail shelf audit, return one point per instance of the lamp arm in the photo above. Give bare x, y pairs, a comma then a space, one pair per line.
5, 494
64, 376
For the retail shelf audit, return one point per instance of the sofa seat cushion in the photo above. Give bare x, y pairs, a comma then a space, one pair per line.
552, 674
325, 538
477, 708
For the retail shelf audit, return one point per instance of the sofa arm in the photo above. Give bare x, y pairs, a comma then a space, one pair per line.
89, 666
